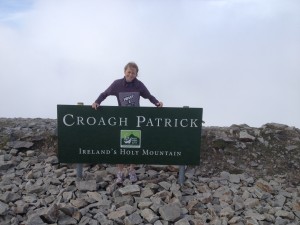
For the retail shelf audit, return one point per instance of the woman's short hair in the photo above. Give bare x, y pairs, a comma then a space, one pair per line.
132, 65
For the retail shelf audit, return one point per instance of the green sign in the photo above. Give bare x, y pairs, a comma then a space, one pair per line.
137, 135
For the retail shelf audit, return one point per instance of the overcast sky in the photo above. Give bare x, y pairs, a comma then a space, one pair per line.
239, 60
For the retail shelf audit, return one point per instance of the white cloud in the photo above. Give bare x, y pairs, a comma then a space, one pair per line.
236, 59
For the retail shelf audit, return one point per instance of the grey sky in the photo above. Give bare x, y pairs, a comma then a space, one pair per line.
236, 59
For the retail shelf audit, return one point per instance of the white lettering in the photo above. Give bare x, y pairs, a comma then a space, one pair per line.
181, 123
96, 151
149, 123
140, 119
112, 123
160, 153
168, 122
65, 120
123, 121
93, 121
158, 120
80, 120
175, 123
101, 122
165, 122
122, 151
128, 152
193, 123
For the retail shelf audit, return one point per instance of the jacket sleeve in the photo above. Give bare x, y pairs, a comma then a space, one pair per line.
107, 92
146, 94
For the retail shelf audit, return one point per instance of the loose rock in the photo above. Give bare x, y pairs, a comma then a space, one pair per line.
246, 176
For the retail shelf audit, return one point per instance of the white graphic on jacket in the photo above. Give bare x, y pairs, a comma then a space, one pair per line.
129, 98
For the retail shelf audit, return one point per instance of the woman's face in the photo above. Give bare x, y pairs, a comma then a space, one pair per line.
130, 74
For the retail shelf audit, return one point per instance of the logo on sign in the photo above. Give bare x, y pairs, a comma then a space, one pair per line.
130, 139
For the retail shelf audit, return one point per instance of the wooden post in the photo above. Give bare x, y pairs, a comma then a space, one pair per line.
79, 167
181, 175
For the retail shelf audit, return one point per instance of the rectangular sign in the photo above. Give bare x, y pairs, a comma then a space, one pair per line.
137, 135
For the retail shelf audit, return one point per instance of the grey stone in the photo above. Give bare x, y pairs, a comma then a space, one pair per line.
128, 208
234, 178
51, 214
66, 220
264, 185
6, 165
30, 198
130, 190
279, 200
149, 215
224, 194
285, 214
89, 185
238, 203
14, 151
30, 153
34, 189
235, 220
121, 201
102, 219
251, 202
9, 197
244, 136
52, 160
183, 221
35, 220
120, 214
227, 212
146, 192
20, 207
281, 221
254, 216
170, 212
20, 144
251, 221
67, 196
3, 209
95, 195
144, 205
79, 202
206, 198
165, 185
133, 219
87, 221
67, 209
246, 176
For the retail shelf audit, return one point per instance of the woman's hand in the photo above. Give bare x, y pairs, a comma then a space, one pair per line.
95, 105
159, 104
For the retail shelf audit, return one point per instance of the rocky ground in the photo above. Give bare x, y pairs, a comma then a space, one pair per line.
247, 176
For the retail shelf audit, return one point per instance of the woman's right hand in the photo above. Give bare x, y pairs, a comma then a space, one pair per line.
95, 105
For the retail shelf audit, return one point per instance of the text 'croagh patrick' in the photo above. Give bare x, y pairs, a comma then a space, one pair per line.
140, 135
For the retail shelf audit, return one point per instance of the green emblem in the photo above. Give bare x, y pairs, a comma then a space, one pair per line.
130, 138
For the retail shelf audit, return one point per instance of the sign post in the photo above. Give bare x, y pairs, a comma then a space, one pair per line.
79, 167
129, 135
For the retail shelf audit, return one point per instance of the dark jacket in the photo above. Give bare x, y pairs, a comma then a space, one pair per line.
127, 93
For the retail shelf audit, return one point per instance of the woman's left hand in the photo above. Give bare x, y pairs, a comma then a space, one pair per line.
159, 104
